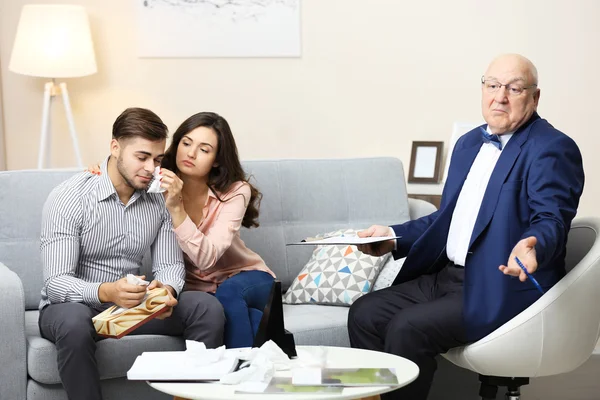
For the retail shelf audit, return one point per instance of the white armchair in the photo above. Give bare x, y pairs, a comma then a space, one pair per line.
554, 335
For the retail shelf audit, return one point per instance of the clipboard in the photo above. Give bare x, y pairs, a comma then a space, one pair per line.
342, 240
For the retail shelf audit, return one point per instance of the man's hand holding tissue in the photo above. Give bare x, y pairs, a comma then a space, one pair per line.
380, 248
171, 301
122, 293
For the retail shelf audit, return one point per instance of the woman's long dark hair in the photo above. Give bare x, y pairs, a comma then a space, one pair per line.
228, 170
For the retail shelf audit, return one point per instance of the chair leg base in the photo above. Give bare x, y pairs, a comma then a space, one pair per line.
487, 391
489, 387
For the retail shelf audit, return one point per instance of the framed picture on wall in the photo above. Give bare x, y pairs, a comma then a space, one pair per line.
218, 28
425, 162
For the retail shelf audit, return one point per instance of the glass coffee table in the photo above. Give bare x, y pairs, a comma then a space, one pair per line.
337, 357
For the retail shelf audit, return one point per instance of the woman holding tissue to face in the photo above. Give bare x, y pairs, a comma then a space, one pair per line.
209, 200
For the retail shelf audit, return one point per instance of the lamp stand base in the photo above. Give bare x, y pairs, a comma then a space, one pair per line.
51, 90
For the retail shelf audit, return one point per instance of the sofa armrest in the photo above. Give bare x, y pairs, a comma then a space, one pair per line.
13, 368
419, 208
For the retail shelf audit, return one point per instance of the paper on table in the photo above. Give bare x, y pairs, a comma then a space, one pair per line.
190, 365
284, 385
342, 240
351, 377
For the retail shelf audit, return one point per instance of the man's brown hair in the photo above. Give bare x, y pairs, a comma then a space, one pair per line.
139, 122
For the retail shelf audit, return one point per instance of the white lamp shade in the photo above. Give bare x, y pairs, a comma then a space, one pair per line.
53, 41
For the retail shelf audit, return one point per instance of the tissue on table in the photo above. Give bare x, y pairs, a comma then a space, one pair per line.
312, 357
203, 355
259, 366
155, 185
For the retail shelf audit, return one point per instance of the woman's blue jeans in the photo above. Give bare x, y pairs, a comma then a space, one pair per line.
243, 297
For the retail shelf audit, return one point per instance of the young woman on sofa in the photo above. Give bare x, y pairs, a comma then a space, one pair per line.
209, 200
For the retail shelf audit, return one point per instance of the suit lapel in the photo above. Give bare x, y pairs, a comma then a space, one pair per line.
462, 160
503, 167
490, 199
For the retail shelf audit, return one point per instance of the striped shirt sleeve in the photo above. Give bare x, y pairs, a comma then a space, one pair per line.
167, 257
62, 219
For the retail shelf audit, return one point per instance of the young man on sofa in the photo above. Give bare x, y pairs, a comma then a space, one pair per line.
95, 230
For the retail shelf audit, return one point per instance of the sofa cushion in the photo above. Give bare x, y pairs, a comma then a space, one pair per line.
302, 197
335, 274
115, 356
317, 324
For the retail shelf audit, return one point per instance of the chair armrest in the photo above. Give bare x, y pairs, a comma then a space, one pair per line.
13, 370
554, 335
418, 208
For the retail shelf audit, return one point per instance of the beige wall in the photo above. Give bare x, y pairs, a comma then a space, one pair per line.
2, 146
374, 76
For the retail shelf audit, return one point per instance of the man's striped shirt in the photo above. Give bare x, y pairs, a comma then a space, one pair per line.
90, 237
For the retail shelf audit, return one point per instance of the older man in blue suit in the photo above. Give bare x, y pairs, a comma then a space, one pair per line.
513, 189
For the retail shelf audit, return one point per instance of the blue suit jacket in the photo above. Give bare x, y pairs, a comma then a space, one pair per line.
534, 190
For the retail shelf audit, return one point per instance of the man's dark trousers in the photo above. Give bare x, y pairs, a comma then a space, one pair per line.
417, 320
198, 316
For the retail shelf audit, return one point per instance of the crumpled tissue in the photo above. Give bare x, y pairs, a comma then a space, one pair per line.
202, 355
134, 280
258, 367
155, 184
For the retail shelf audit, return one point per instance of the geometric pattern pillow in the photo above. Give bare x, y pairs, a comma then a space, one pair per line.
388, 273
335, 275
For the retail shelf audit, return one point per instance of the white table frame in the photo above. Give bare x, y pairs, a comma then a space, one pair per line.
338, 357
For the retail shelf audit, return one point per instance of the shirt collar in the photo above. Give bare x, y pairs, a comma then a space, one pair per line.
105, 185
211, 193
106, 188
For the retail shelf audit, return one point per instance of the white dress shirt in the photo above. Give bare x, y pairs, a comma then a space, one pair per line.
470, 198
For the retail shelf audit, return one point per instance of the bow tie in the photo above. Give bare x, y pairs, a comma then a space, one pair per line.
493, 139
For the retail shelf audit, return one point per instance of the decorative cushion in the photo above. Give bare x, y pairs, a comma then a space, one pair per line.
388, 273
335, 275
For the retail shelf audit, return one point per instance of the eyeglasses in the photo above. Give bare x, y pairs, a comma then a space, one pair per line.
513, 89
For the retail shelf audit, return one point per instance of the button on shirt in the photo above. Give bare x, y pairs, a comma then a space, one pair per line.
470, 198
90, 237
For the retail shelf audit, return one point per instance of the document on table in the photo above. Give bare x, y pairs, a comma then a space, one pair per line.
343, 240
179, 366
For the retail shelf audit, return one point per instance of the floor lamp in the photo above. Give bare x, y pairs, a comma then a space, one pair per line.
54, 41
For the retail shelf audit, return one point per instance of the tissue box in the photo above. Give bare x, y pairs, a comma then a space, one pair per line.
116, 322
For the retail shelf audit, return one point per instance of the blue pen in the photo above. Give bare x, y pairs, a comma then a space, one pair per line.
531, 278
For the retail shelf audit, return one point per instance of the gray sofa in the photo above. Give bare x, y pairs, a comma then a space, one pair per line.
301, 198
